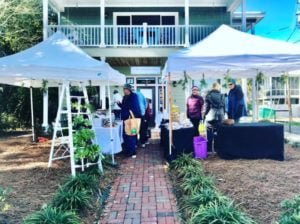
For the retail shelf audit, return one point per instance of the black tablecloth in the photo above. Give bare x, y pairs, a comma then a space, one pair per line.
250, 141
182, 142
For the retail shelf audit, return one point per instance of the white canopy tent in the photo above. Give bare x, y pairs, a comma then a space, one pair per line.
56, 61
239, 54
242, 54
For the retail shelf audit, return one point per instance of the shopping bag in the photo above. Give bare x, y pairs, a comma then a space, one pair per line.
202, 128
132, 125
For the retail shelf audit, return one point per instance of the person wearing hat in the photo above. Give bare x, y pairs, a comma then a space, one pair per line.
194, 107
129, 103
117, 98
236, 103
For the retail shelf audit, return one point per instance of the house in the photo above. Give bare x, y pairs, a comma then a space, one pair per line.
136, 36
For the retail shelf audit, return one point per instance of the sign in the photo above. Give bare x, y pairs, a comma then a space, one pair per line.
145, 70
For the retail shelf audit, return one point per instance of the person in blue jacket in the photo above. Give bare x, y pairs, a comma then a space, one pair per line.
130, 102
236, 102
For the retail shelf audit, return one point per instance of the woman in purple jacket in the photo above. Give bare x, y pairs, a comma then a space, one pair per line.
194, 107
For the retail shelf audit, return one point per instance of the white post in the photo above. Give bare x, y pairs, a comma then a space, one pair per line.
244, 19
187, 22
58, 18
254, 109
102, 22
102, 97
244, 88
45, 35
145, 44
45, 19
110, 128
32, 115
45, 108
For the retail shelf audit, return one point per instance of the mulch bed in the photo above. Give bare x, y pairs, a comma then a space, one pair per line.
23, 169
258, 185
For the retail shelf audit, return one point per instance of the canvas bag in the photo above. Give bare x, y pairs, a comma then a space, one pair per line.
132, 125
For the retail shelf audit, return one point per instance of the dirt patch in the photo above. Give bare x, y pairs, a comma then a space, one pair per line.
23, 169
258, 185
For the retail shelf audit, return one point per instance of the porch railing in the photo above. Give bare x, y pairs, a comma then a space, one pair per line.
133, 36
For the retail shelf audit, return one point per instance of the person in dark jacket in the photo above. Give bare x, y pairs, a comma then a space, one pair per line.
129, 102
236, 103
214, 112
194, 107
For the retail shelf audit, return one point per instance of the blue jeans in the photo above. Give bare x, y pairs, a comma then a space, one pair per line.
129, 143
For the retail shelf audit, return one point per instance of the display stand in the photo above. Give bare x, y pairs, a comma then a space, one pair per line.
62, 146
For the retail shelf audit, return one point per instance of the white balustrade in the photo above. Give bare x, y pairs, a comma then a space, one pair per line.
133, 36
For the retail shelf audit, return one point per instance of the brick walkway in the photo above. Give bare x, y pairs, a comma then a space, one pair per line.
142, 193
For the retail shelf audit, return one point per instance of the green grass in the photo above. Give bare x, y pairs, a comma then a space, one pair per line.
291, 211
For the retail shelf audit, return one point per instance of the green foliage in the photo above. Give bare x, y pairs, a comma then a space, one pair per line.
183, 161
192, 203
196, 184
80, 122
83, 137
72, 199
189, 171
51, 215
220, 214
4, 206
259, 80
81, 182
291, 211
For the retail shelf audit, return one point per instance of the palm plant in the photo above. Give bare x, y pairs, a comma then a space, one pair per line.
51, 215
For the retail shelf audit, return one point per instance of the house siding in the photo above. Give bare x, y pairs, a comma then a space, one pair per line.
91, 16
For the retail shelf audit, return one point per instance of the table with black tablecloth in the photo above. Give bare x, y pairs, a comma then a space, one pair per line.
182, 141
250, 141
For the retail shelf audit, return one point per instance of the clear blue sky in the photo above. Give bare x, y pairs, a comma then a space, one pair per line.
279, 21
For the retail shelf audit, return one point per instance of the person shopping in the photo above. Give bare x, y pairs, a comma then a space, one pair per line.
194, 107
236, 102
129, 103
214, 113
117, 98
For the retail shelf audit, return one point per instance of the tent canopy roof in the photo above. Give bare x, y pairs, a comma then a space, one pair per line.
55, 60
241, 54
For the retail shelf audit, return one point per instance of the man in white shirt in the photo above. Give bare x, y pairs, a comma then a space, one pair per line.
117, 98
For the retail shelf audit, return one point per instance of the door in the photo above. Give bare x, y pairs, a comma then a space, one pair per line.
149, 93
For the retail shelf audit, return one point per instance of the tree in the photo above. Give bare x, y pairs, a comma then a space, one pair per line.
20, 28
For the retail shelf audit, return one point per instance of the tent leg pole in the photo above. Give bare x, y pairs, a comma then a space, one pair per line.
110, 119
254, 109
32, 115
170, 115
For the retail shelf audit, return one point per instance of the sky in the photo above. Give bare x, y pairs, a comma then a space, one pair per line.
280, 19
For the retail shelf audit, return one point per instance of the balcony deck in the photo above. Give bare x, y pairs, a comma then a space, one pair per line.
145, 36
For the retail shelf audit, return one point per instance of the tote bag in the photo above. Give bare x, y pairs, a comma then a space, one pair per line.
132, 125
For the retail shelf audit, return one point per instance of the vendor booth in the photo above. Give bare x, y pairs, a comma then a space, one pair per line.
239, 55
56, 62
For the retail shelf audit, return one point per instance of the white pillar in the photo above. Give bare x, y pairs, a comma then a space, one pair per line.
45, 35
45, 19
145, 44
187, 22
102, 97
254, 109
58, 17
45, 109
102, 22
244, 88
244, 19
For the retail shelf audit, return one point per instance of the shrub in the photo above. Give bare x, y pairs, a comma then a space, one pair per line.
191, 203
81, 182
189, 171
4, 206
183, 161
220, 214
72, 199
196, 184
291, 211
50, 215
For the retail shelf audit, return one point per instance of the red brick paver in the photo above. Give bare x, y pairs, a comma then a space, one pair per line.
143, 192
